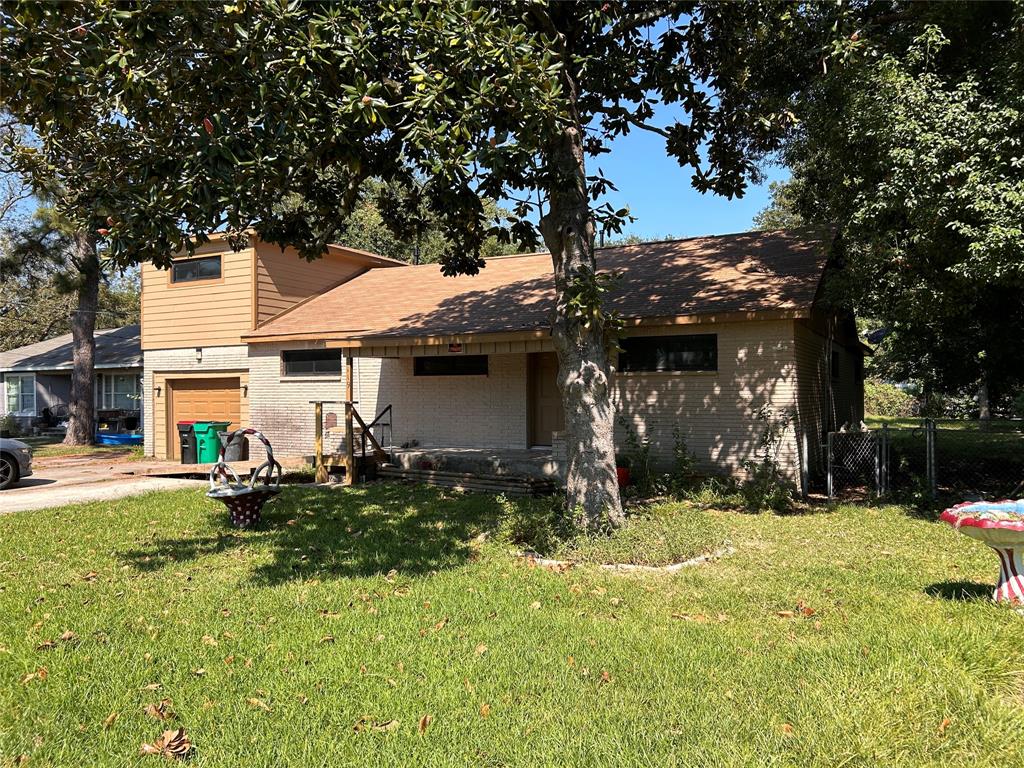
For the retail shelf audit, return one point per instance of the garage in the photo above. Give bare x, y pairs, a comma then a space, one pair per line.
206, 399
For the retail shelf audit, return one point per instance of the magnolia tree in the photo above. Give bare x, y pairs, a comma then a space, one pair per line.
218, 112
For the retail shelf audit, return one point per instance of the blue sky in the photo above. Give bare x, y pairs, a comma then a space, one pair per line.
658, 191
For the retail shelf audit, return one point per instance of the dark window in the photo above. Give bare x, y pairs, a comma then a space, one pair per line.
305, 361
207, 268
453, 365
697, 352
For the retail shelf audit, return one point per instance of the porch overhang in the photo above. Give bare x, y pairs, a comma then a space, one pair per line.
357, 344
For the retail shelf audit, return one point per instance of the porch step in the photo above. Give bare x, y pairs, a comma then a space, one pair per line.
511, 484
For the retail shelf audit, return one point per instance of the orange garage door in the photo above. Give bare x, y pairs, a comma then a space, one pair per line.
202, 400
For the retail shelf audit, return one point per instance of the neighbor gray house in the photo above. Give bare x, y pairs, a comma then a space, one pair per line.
35, 380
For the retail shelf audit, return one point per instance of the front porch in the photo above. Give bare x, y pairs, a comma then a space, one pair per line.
525, 471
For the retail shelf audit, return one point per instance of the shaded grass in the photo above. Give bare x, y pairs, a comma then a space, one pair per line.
46, 447
382, 601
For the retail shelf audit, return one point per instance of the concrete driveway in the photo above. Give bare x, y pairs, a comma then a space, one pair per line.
64, 480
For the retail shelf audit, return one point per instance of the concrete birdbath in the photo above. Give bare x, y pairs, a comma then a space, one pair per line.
1000, 524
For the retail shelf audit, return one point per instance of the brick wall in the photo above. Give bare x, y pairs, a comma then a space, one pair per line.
454, 411
716, 411
280, 405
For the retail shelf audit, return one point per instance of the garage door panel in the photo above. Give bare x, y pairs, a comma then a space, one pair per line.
215, 399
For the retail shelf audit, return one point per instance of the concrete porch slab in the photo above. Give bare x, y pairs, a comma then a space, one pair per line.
514, 462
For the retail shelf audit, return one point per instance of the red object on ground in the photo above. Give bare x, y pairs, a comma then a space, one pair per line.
622, 473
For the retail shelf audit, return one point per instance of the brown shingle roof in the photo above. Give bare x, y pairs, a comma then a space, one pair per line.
742, 273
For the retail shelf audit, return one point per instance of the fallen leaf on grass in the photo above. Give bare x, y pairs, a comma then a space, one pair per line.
481, 649
160, 711
946, 722
109, 720
68, 636
424, 723
327, 639
171, 744
698, 618
605, 677
151, 687
366, 723
40, 674
786, 614
535, 605
209, 640
90, 576
440, 625
485, 710
199, 672
46, 645
787, 730
258, 704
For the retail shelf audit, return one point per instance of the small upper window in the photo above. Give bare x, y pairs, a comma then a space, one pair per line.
311, 361
692, 352
206, 268
452, 365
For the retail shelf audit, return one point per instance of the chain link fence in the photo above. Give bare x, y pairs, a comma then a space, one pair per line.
960, 460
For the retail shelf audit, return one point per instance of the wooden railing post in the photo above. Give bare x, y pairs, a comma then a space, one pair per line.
321, 470
350, 462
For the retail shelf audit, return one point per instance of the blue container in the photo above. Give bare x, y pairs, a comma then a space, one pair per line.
117, 438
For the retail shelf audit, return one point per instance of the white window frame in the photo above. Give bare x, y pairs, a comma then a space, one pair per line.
20, 377
105, 388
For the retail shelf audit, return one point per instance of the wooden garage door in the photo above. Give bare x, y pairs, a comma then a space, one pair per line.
202, 400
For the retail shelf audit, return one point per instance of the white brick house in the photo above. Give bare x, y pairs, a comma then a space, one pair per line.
714, 329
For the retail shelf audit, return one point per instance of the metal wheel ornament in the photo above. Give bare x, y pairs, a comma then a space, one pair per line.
245, 501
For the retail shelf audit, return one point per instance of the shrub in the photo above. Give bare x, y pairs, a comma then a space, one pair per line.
718, 492
884, 399
638, 455
539, 524
767, 487
683, 462
9, 427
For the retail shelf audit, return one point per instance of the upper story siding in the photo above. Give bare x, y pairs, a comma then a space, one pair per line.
256, 283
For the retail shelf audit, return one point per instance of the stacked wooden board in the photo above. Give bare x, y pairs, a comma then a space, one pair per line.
513, 485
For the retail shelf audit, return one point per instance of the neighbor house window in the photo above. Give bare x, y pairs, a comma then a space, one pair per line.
206, 268
298, 362
21, 393
117, 392
452, 365
694, 352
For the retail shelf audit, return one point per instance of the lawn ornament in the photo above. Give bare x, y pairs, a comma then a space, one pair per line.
245, 502
1000, 525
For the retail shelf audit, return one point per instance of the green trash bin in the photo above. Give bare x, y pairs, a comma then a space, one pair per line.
207, 442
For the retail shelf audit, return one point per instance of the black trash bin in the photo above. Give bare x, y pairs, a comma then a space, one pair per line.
187, 440
236, 450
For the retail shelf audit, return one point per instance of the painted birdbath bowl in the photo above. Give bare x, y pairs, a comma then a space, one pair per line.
1000, 524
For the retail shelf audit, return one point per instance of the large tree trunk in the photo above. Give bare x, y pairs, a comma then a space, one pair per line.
584, 365
984, 406
81, 421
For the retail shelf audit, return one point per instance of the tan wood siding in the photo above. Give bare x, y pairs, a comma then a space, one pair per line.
203, 313
283, 278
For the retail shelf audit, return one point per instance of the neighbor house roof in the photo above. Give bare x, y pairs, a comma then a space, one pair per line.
115, 348
753, 274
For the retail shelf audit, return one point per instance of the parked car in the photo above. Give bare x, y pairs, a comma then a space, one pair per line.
15, 461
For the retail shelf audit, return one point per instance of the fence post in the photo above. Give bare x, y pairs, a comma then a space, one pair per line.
829, 472
933, 482
884, 451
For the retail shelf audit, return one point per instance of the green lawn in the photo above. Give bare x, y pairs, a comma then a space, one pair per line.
46, 447
380, 605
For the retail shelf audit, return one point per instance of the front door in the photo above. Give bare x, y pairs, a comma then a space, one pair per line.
546, 414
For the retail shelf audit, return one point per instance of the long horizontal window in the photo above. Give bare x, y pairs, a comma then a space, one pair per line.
452, 365
693, 352
206, 268
299, 362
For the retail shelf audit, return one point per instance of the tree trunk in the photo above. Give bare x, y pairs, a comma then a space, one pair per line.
584, 365
81, 421
984, 407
